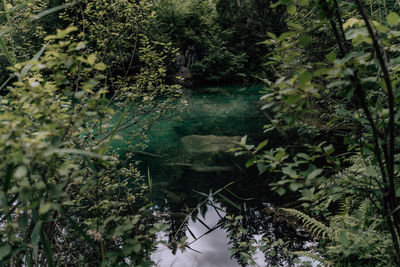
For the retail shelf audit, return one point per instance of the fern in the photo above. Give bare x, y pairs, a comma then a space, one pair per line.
315, 227
365, 211
344, 206
311, 256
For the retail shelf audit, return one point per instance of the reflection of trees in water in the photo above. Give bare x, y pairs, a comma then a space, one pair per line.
230, 113
177, 198
259, 224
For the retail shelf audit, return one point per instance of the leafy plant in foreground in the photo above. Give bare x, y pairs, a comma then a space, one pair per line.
63, 188
360, 75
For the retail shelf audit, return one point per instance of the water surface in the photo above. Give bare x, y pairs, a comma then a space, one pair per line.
187, 160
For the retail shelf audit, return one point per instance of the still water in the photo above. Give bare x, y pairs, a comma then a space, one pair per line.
187, 160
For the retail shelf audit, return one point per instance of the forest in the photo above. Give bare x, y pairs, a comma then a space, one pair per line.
128, 125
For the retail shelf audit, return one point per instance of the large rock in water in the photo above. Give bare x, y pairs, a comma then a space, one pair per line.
208, 143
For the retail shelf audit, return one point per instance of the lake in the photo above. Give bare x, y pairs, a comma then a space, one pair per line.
187, 162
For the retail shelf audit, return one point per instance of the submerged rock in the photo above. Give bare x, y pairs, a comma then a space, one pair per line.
208, 143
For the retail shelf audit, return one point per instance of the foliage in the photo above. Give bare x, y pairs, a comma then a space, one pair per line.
22, 32
63, 186
118, 33
350, 95
220, 64
346, 241
136, 72
245, 24
218, 39
185, 23
245, 249
56, 195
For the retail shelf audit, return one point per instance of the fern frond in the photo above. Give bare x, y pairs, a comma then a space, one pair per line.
365, 207
340, 222
315, 227
311, 256
344, 206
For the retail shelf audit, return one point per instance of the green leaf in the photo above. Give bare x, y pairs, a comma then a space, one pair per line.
295, 186
79, 94
272, 35
5, 9
36, 233
137, 247
4, 251
229, 201
91, 59
393, 19
352, 22
22, 221
304, 79
153, 230
261, 167
250, 163
321, 71
371, 171
285, 35
45, 208
27, 68
356, 32
293, 99
35, 239
274, 5
280, 155
295, 26
47, 249
261, 145
268, 105
20, 172
100, 66
4, 49
303, 156
344, 239
291, 9
308, 194
331, 57
290, 172
381, 28
281, 191
315, 173
243, 140
329, 149
61, 34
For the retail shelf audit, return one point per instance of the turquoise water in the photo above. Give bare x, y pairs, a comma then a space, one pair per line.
227, 111
186, 159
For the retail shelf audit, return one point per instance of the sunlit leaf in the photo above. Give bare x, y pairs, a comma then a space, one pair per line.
393, 19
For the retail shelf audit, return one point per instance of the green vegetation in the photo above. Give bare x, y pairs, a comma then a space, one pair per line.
82, 82
67, 198
349, 188
218, 41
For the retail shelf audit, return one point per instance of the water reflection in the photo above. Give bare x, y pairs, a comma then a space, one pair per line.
210, 240
187, 159
210, 250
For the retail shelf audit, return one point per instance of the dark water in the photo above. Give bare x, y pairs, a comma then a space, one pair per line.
187, 160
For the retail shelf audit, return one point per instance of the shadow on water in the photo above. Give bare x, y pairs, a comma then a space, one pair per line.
187, 160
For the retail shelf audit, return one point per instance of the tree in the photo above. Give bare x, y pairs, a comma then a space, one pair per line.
356, 85
64, 186
246, 23
218, 40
